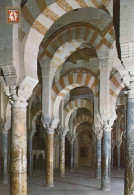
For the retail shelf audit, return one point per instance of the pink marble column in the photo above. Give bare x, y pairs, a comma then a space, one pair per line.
18, 169
62, 155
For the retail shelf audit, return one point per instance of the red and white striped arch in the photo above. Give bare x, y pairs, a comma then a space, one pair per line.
41, 25
79, 120
71, 81
78, 103
75, 105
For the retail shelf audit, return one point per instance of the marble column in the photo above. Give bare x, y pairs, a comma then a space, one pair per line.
118, 156
72, 156
30, 157
112, 150
4, 170
50, 158
106, 159
129, 165
18, 178
18, 158
62, 155
76, 154
98, 157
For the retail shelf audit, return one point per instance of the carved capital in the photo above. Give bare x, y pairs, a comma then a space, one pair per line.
107, 125
63, 133
50, 130
99, 134
19, 96
31, 134
7, 126
128, 81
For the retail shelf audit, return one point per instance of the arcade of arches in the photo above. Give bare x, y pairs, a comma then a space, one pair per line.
67, 91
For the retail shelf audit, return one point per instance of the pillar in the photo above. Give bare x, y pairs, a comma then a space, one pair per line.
62, 155
50, 158
18, 180
72, 156
118, 156
106, 159
76, 154
129, 164
30, 157
98, 157
18, 153
4, 157
112, 150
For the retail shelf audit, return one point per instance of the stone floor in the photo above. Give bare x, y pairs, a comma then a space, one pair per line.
81, 182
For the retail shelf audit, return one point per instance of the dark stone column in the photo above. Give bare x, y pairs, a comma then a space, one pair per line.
106, 159
4, 157
62, 155
72, 156
30, 157
98, 157
129, 165
118, 156
112, 157
50, 158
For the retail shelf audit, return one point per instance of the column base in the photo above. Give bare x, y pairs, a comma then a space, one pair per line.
62, 175
4, 181
98, 177
49, 185
71, 170
106, 187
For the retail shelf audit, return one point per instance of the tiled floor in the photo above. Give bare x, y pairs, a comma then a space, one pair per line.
81, 182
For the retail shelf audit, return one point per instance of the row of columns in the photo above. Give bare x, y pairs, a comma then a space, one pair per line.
18, 182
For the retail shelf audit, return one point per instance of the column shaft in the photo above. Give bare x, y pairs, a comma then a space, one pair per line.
106, 161
50, 161
72, 156
4, 157
62, 156
129, 165
112, 157
30, 158
18, 180
98, 158
118, 157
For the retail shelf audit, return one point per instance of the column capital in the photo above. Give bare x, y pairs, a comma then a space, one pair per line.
62, 133
50, 130
31, 134
99, 134
128, 80
18, 97
7, 126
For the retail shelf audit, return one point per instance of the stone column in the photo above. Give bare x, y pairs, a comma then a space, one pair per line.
106, 158
118, 156
30, 157
62, 155
4, 157
98, 156
76, 153
112, 157
72, 156
50, 158
18, 171
129, 165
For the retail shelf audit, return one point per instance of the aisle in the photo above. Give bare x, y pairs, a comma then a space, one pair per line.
81, 182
